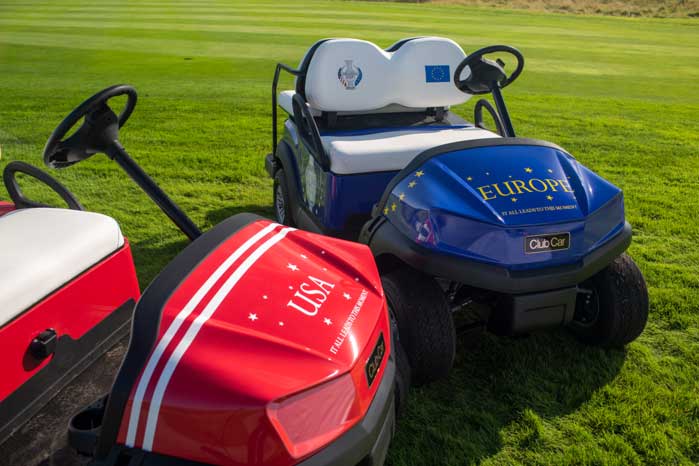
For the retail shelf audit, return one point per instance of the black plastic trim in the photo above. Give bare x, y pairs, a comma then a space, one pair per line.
423, 157
275, 81
369, 439
384, 238
401, 43
71, 358
525, 313
308, 133
303, 69
17, 196
478, 116
146, 320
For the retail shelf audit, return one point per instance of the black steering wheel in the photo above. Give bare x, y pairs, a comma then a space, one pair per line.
99, 130
487, 73
18, 198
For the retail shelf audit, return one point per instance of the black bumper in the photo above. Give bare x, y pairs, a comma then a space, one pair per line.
365, 444
383, 238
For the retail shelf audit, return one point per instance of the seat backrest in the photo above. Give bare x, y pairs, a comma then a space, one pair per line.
350, 75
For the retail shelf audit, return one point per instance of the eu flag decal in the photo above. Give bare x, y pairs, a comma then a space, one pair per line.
437, 74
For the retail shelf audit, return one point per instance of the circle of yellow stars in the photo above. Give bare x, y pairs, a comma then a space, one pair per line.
393, 207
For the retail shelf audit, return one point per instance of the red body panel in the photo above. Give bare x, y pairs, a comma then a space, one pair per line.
6, 207
285, 311
71, 310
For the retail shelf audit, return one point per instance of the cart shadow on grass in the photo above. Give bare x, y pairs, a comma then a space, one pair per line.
497, 384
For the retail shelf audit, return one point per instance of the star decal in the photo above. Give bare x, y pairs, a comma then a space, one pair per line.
303, 256
487, 173
291, 287
252, 317
514, 199
356, 279
385, 211
549, 197
470, 178
322, 252
346, 296
325, 269
281, 324
264, 296
402, 196
549, 170
327, 321
528, 170
292, 267
393, 207
412, 184
419, 173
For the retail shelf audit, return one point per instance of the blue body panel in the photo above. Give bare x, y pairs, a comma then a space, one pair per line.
481, 203
478, 204
336, 201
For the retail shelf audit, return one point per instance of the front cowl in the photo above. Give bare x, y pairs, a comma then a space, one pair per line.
482, 203
267, 312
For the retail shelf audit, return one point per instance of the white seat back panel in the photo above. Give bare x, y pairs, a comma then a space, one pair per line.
42, 249
390, 150
356, 75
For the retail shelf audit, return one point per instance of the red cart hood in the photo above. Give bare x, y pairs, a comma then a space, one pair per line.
269, 312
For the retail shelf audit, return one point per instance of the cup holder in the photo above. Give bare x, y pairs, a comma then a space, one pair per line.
84, 428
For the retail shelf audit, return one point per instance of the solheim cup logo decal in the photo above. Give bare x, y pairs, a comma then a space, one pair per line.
349, 75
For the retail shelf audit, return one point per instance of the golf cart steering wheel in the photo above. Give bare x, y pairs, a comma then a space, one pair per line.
99, 130
487, 73
18, 198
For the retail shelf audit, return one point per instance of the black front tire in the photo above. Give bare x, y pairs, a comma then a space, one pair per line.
425, 325
282, 204
615, 310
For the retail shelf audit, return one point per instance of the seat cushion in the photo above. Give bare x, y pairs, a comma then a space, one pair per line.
354, 152
42, 249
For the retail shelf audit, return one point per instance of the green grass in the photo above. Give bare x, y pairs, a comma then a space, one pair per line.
621, 94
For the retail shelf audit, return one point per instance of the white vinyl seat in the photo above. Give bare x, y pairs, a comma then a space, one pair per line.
356, 77
42, 249
391, 150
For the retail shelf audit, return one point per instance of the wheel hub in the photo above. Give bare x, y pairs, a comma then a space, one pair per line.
586, 308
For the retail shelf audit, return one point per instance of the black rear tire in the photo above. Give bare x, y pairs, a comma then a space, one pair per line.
282, 204
615, 311
425, 325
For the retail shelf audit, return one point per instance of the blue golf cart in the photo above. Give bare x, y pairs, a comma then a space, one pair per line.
513, 231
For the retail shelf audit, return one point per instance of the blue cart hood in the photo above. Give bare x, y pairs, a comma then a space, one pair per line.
483, 201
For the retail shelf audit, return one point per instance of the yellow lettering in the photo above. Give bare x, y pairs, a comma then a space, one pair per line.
543, 185
519, 184
552, 184
509, 189
565, 185
485, 194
